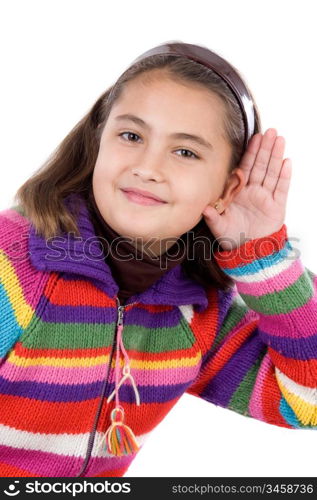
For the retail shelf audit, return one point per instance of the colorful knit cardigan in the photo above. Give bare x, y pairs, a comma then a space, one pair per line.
252, 349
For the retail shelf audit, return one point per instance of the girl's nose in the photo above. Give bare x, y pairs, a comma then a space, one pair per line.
150, 166
148, 172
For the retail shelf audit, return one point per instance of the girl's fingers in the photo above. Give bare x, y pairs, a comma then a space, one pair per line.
249, 156
262, 159
275, 164
283, 183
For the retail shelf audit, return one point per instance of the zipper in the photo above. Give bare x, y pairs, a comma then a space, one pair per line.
120, 315
103, 390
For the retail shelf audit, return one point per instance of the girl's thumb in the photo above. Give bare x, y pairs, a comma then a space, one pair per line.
213, 220
210, 212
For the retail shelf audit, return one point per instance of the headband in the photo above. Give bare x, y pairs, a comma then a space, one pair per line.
205, 56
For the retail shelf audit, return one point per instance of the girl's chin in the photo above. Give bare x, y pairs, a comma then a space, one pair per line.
131, 229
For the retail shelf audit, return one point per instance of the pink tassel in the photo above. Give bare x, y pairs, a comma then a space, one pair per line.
119, 437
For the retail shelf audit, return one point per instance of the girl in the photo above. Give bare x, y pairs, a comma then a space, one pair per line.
147, 258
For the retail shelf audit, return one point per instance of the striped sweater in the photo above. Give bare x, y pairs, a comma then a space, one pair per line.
252, 349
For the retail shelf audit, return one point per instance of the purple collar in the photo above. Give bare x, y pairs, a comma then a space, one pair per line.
83, 256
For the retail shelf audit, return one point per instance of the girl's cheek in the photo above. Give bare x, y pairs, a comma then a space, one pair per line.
203, 192
102, 172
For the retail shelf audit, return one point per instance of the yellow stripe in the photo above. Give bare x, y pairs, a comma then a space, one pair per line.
304, 411
23, 312
93, 361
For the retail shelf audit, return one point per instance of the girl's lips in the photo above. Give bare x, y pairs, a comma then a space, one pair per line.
141, 200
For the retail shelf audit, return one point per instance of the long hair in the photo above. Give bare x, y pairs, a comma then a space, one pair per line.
69, 168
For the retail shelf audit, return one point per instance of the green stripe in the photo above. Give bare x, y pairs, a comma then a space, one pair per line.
310, 273
292, 297
43, 335
240, 399
236, 312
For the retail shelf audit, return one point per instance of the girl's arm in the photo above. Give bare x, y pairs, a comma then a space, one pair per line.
262, 362
21, 285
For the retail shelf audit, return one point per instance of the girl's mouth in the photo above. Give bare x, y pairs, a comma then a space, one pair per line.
141, 200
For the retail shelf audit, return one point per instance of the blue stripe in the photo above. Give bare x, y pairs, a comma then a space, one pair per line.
259, 265
288, 414
10, 330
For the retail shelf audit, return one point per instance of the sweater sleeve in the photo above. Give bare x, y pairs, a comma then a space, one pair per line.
20, 284
262, 361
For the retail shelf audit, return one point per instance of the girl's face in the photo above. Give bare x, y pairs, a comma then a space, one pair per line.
152, 153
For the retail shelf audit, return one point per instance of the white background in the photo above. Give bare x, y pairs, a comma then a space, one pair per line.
58, 56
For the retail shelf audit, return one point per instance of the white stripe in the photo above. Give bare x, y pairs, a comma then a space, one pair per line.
307, 394
188, 312
61, 444
264, 274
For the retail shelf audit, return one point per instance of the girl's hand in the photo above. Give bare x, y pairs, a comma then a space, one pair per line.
258, 209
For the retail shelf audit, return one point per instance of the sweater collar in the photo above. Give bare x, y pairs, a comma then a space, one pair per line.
83, 257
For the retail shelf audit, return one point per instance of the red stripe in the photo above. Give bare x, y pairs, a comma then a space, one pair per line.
271, 398
84, 293
222, 356
75, 418
204, 324
48, 417
141, 419
76, 293
22, 351
252, 250
7, 470
303, 372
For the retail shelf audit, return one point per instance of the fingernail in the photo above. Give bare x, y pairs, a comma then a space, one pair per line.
271, 132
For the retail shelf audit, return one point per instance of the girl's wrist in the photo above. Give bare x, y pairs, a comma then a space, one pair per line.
252, 250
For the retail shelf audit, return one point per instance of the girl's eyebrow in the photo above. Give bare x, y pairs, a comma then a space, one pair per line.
175, 135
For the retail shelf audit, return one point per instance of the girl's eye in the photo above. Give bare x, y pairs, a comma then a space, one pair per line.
189, 157
194, 156
129, 133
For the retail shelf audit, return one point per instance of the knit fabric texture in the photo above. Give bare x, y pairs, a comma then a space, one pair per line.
252, 349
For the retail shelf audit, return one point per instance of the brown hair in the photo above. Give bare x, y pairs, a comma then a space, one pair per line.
70, 167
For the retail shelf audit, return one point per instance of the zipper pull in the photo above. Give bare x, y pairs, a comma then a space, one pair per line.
121, 310
120, 315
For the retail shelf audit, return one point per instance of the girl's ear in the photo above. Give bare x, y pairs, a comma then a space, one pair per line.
235, 182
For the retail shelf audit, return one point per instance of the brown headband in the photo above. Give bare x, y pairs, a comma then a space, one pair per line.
205, 56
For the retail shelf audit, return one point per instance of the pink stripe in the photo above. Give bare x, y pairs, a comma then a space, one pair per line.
304, 318
55, 465
255, 403
99, 465
275, 284
17, 251
91, 374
